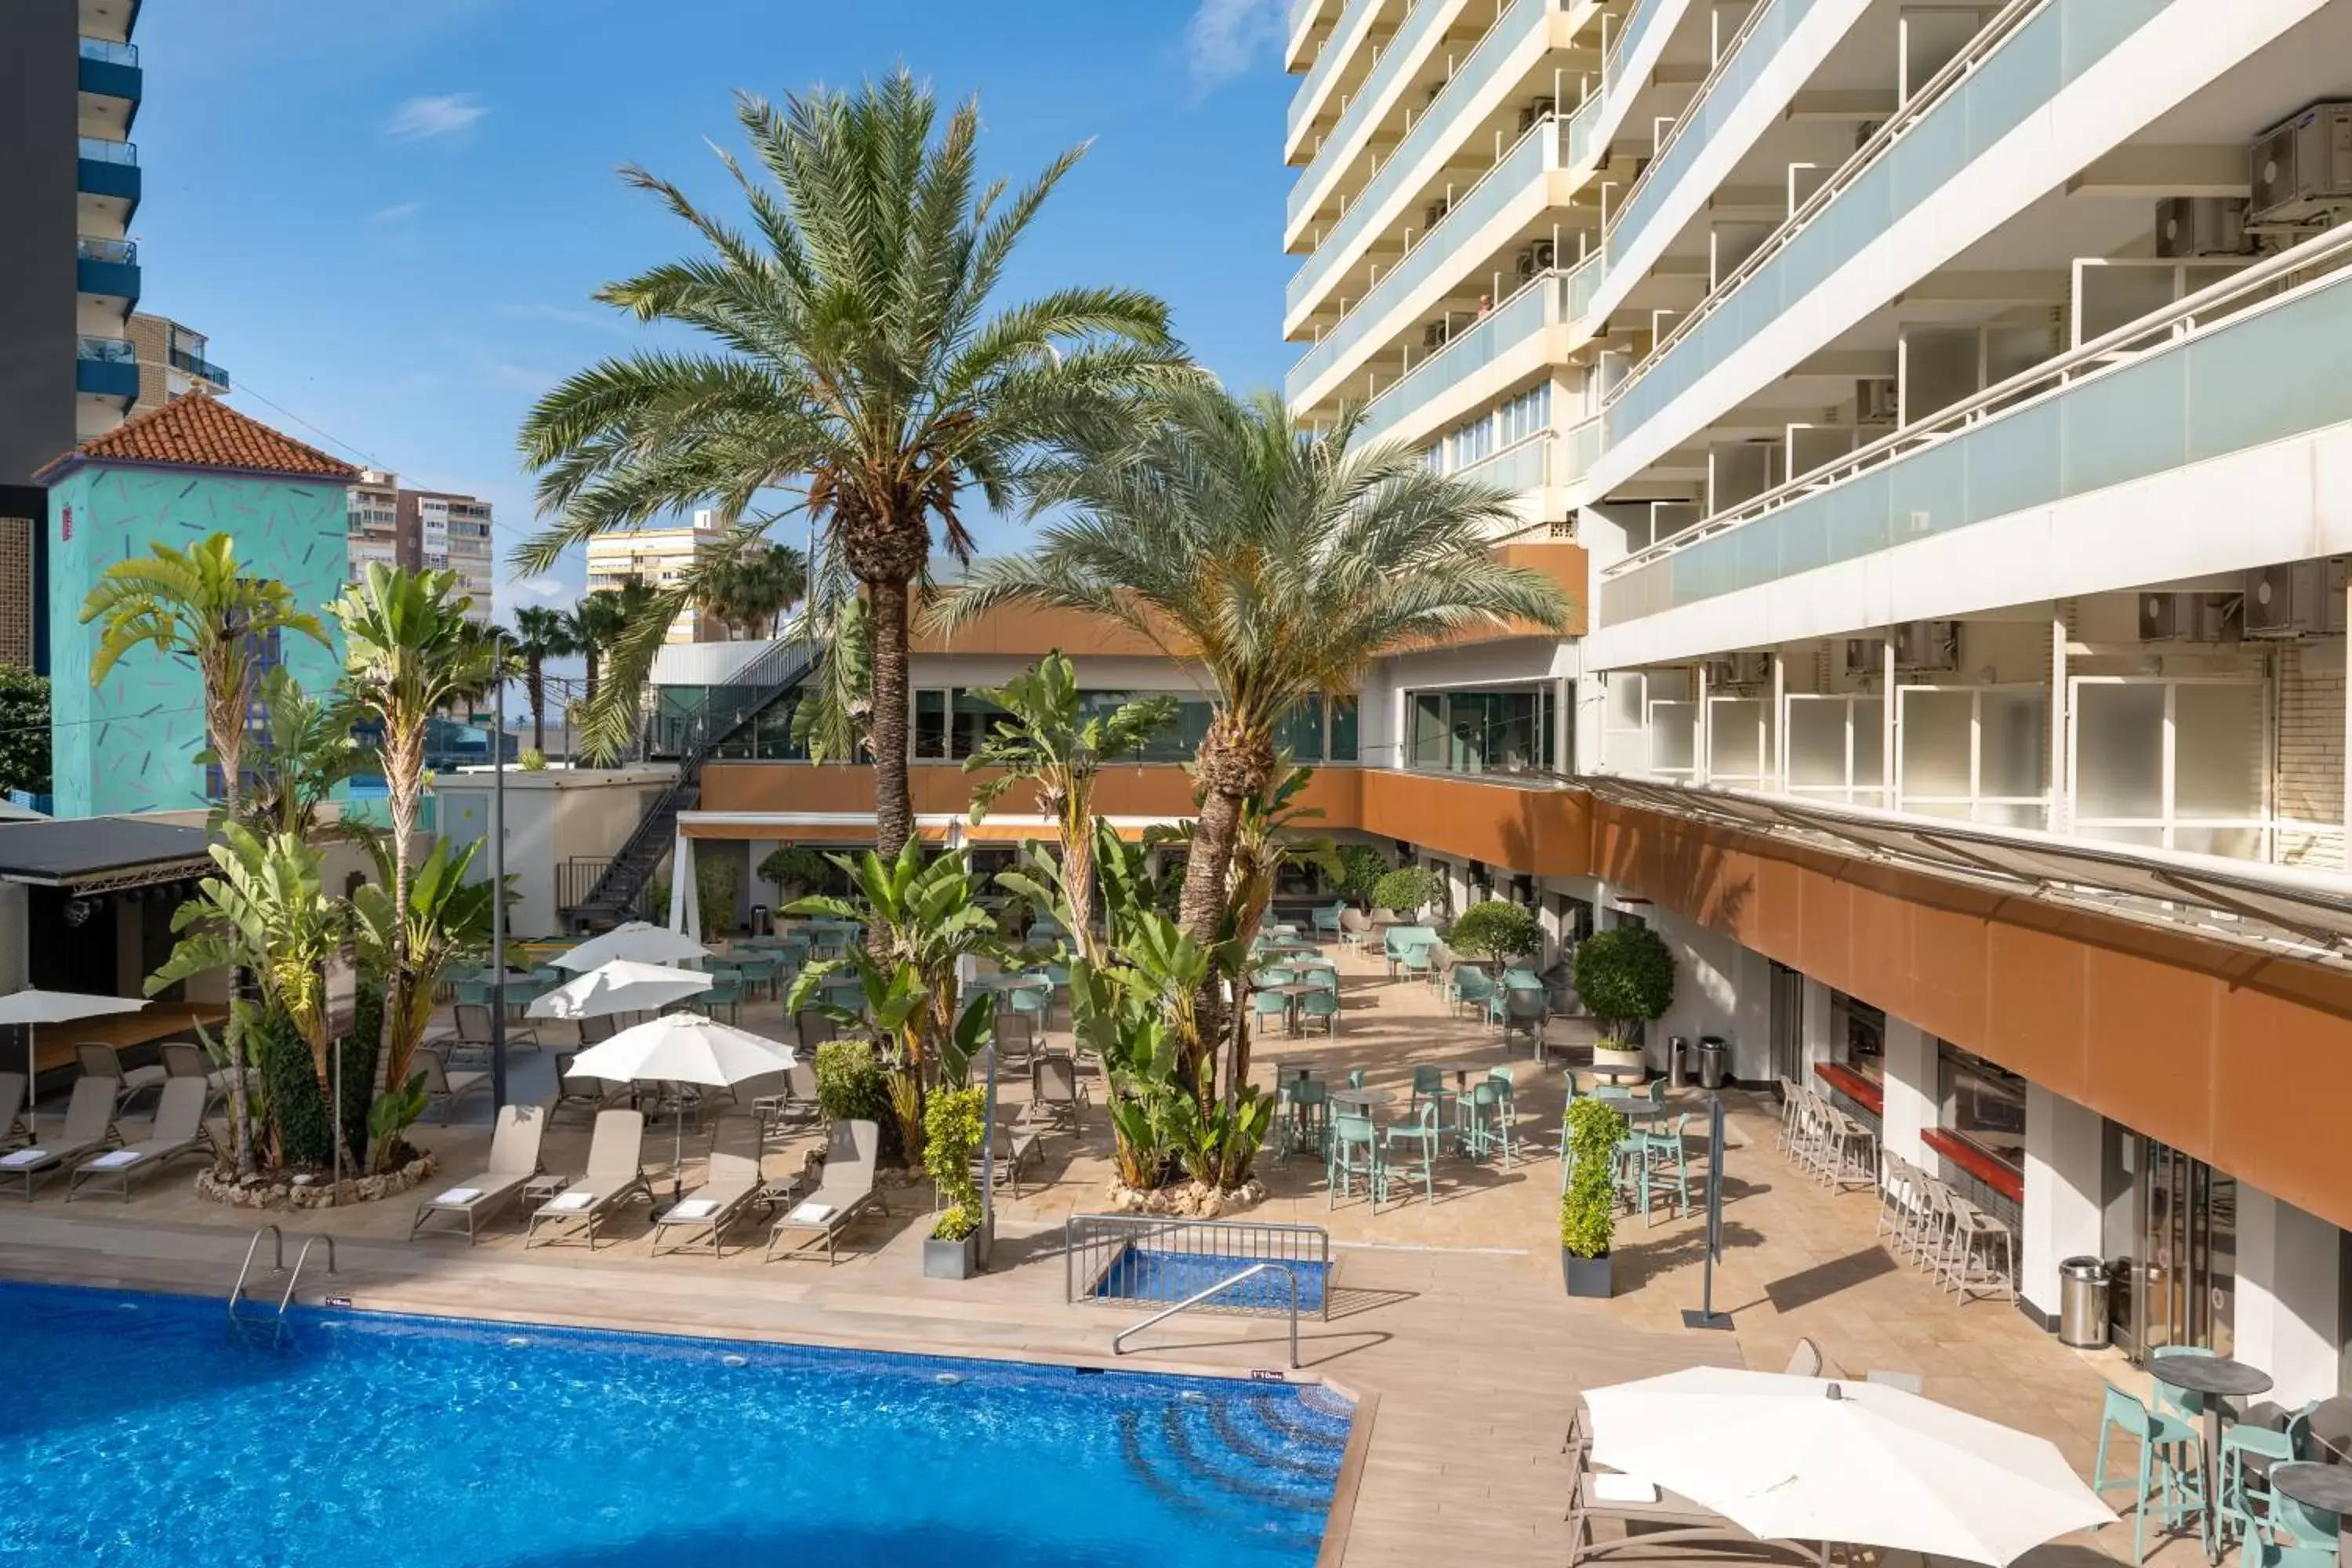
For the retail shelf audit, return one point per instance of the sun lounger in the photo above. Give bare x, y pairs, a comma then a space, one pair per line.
615, 1174
1056, 1095
514, 1161
846, 1191
179, 1129
1013, 1147
89, 1128
730, 1184
12, 1110
592, 1094
444, 1088
1652, 1523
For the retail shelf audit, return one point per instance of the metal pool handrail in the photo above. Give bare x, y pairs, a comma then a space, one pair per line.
277, 1237
1162, 1316
1092, 1245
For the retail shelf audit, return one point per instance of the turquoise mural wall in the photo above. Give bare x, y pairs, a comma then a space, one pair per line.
130, 745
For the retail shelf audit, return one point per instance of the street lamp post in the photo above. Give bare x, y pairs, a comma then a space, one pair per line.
498, 879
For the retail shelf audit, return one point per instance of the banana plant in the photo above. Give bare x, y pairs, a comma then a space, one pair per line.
443, 918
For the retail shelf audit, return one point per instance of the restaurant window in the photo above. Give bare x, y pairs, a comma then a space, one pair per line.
1343, 730
1860, 1029
1982, 1102
1300, 732
931, 725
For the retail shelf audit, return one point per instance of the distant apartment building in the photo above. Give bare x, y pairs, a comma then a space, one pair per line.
173, 362
657, 557
70, 87
430, 530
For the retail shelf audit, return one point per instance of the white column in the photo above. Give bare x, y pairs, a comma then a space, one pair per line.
2289, 1282
684, 909
1818, 1019
1888, 736
1910, 1090
2061, 1216
2061, 783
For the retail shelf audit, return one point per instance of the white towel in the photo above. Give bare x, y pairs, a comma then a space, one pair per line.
1623, 1488
459, 1195
25, 1157
692, 1208
115, 1161
571, 1203
813, 1213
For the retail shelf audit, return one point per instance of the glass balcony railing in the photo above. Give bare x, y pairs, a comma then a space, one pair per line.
123, 252
1522, 166
1629, 37
1442, 117
1506, 326
1518, 468
1419, 27
197, 365
106, 351
1581, 126
1760, 36
1986, 96
98, 150
1582, 445
109, 50
2229, 369
1324, 63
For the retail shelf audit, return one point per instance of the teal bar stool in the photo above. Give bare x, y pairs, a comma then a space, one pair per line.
2246, 1497
1410, 1149
1428, 1083
1507, 1087
1321, 1007
1266, 1005
1310, 1114
2173, 1486
1355, 1152
1666, 1154
2300, 1536
1479, 1121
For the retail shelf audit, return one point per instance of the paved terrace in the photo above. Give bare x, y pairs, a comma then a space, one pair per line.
1452, 1313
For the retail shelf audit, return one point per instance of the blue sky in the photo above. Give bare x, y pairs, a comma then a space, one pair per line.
389, 216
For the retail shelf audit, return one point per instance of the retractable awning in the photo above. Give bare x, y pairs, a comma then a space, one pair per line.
101, 854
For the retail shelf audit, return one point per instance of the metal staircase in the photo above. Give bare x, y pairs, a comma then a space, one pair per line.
693, 736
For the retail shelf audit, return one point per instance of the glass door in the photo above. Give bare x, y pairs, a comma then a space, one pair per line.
2178, 1286
1787, 1024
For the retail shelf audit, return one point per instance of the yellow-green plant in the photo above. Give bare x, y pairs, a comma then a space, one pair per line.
954, 1123
1588, 1209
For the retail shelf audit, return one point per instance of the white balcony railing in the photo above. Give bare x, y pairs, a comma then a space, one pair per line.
1518, 319
2015, 66
1419, 24
1311, 91
2233, 366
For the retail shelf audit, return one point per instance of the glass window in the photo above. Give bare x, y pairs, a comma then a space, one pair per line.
1301, 731
1861, 1029
1429, 729
1343, 730
1525, 415
970, 717
1983, 1103
932, 724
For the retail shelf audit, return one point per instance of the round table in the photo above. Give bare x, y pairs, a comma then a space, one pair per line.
1364, 1099
2320, 1486
1635, 1109
1291, 992
1461, 1071
1613, 1070
2215, 1377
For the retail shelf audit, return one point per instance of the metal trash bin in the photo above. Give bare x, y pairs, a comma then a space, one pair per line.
1677, 1060
1714, 1057
760, 924
2083, 1303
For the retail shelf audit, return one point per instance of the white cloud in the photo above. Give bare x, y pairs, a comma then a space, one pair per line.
1225, 37
428, 119
542, 588
399, 212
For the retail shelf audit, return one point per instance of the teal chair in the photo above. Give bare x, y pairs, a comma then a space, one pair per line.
1266, 1005
1327, 922
1428, 1083
2300, 1536
1475, 989
1355, 1077
1506, 1085
2246, 1496
1410, 1149
1355, 1152
1418, 961
727, 993
1480, 1123
2174, 1487
1311, 1115
1272, 974
1321, 1007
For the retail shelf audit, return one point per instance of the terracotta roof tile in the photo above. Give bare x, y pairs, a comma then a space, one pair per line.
198, 431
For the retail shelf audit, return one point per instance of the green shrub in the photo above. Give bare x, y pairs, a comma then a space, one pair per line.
851, 1085
297, 1111
1495, 931
1625, 978
716, 883
1407, 890
1362, 867
794, 869
533, 760
1588, 1209
360, 1051
653, 900
954, 1123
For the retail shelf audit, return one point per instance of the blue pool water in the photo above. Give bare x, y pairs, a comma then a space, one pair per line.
138, 1429
1150, 1274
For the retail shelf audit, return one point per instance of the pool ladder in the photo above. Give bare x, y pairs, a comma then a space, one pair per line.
238, 1294
1219, 1288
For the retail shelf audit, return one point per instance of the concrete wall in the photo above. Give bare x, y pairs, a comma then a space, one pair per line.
130, 746
2289, 1307
550, 816
38, 109
2065, 1168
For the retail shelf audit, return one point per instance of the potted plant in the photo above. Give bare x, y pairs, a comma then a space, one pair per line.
1588, 1209
792, 869
1362, 867
1495, 933
1625, 978
1408, 890
953, 1125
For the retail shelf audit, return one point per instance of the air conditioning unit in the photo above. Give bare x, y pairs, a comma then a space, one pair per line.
1876, 401
1534, 259
1533, 110
2201, 226
1927, 645
2189, 617
1863, 656
1434, 213
2300, 599
2302, 166
1739, 669
1434, 335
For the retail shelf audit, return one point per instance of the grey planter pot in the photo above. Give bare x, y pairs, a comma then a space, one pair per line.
1587, 1277
951, 1259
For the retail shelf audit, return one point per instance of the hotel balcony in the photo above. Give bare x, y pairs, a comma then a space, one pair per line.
108, 269
111, 85
107, 367
108, 173
199, 369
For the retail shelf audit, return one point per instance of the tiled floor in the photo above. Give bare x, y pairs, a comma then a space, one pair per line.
1452, 1311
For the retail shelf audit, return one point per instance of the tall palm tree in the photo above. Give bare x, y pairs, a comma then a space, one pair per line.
197, 603
409, 652
599, 624
1275, 557
751, 585
539, 634
862, 358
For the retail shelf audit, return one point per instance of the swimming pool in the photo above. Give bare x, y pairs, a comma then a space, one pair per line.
139, 1429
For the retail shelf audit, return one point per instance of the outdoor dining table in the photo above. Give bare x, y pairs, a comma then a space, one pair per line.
1634, 1108
2215, 1377
1363, 1099
2319, 1485
1291, 992
1462, 1072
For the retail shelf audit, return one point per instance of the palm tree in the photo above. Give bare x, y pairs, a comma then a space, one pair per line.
409, 652
539, 634
198, 604
862, 359
306, 752
1276, 558
598, 625
751, 586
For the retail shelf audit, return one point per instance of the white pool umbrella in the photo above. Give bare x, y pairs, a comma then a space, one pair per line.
33, 1008
620, 986
684, 1047
638, 942
1804, 1458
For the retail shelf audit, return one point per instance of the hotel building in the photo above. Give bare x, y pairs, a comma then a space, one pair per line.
424, 531
657, 557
